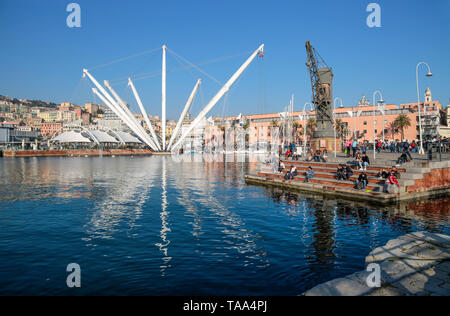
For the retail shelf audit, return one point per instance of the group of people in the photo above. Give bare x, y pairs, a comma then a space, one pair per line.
292, 173
317, 156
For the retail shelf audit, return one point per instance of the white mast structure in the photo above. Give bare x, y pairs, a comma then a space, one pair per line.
115, 95
163, 114
123, 114
183, 114
219, 95
125, 119
144, 112
128, 112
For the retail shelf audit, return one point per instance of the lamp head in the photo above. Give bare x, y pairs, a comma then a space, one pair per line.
429, 74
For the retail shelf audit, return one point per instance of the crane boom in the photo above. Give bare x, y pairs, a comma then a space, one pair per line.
322, 89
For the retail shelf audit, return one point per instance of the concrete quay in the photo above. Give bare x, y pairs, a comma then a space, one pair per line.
416, 264
418, 180
75, 153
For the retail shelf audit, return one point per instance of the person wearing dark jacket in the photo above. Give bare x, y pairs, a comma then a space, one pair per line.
362, 181
340, 174
348, 172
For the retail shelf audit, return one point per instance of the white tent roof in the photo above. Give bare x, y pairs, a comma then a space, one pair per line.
128, 138
71, 137
103, 137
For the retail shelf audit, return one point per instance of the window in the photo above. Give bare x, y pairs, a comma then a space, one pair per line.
365, 131
365, 123
376, 131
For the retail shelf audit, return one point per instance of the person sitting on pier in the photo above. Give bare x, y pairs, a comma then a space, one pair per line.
309, 174
383, 174
288, 153
402, 159
364, 163
362, 181
340, 174
324, 156
317, 155
310, 156
396, 173
391, 184
348, 172
291, 174
281, 166
297, 153
358, 158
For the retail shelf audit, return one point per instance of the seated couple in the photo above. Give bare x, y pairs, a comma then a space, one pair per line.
384, 173
317, 156
363, 161
344, 172
291, 174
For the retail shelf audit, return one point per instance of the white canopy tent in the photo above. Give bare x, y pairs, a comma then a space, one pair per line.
127, 138
71, 137
103, 137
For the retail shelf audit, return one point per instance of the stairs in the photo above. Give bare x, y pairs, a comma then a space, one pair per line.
416, 180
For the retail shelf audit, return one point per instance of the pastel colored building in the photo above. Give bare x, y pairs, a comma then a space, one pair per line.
366, 122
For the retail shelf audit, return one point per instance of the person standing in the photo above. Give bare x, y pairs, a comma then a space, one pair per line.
354, 147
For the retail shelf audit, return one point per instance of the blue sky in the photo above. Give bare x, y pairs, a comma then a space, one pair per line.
41, 58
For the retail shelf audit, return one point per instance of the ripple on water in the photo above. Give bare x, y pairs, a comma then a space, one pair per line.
152, 226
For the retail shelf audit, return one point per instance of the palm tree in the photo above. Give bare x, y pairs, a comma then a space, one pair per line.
295, 135
311, 126
340, 128
392, 128
274, 123
401, 122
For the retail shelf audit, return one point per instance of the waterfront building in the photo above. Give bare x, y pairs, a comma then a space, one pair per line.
10, 135
50, 128
365, 121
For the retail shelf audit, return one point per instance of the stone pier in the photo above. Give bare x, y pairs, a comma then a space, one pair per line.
417, 264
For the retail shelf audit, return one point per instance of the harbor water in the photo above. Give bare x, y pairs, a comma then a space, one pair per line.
159, 226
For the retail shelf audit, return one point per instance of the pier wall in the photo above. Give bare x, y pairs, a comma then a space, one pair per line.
435, 179
75, 153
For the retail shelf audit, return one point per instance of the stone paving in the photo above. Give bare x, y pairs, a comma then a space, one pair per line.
417, 264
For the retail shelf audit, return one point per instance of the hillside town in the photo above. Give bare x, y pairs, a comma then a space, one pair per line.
25, 122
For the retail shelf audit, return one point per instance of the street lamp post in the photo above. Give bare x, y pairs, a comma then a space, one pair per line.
334, 119
381, 101
304, 126
429, 74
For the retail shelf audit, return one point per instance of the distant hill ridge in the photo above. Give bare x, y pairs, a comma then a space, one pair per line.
30, 103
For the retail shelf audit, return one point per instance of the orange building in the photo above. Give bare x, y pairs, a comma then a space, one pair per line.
366, 122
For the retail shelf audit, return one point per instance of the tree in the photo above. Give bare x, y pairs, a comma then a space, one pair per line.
392, 129
274, 123
295, 133
401, 122
340, 128
311, 126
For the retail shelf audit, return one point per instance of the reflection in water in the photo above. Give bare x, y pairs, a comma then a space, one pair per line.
123, 200
164, 244
192, 227
236, 236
